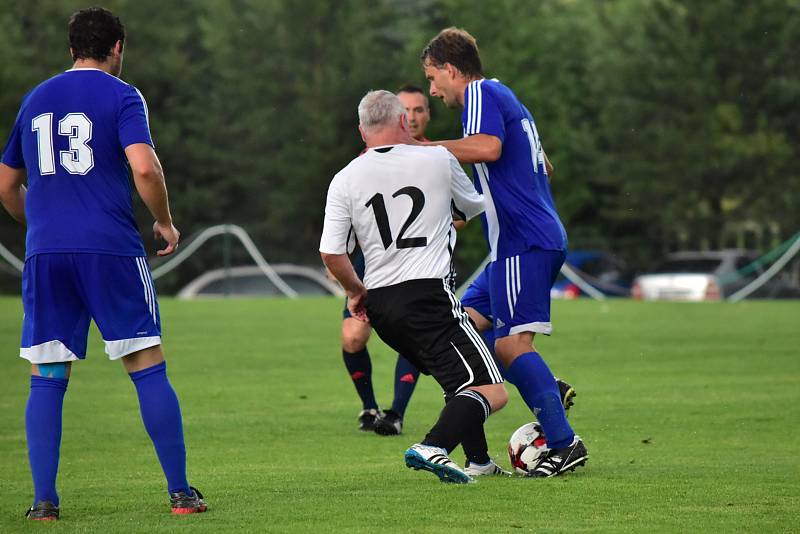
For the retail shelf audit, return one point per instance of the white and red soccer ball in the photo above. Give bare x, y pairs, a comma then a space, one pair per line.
526, 446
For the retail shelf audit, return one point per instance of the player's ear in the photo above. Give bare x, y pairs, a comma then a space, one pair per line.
117, 49
363, 136
404, 122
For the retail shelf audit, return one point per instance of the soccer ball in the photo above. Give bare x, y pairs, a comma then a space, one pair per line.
526, 446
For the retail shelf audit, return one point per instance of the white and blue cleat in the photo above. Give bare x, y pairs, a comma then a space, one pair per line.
435, 460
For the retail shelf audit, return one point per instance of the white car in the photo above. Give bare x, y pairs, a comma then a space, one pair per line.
696, 275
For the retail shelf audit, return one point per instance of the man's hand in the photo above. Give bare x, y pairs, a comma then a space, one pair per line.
356, 304
340, 266
168, 233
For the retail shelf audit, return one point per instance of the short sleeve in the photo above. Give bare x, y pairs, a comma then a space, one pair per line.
481, 112
467, 202
338, 222
134, 122
12, 153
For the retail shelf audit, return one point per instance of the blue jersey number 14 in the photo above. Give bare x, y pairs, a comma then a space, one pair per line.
536, 145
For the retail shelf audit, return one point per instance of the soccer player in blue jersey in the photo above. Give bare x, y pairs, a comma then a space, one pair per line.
74, 138
526, 238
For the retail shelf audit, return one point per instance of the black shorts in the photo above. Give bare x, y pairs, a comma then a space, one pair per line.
424, 321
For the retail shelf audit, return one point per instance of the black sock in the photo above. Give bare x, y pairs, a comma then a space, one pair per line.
475, 447
405, 380
462, 418
474, 441
360, 368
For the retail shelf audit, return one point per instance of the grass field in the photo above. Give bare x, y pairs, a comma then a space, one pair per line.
690, 413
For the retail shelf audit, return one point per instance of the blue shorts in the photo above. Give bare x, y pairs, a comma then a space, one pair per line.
63, 292
517, 291
358, 265
477, 295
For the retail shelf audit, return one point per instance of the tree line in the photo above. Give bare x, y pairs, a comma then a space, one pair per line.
671, 123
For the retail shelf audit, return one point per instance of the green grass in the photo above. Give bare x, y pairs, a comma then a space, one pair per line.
690, 413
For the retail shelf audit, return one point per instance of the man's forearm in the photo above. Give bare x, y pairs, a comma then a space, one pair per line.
478, 148
340, 267
14, 202
13, 191
153, 190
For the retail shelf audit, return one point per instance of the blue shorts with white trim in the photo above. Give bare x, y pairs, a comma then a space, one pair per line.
477, 295
520, 291
63, 292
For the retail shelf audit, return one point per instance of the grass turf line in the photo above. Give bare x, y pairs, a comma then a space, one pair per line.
689, 411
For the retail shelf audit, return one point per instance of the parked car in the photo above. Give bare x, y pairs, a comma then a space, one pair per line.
602, 270
708, 275
249, 281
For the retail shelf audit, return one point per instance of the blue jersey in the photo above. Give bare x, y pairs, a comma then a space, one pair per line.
70, 135
520, 215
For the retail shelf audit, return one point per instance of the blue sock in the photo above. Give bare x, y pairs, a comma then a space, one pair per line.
405, 380
161, 414
538, 388
43, 431
359, 366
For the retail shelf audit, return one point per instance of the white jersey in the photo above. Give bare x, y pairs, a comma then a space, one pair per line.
398, 200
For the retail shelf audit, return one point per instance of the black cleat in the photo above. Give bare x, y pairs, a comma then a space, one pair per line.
567, 393
43, 511
367, 419
184, 503
558, 461
391, 424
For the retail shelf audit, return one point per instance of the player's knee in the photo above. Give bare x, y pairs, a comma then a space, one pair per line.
355, 335
53, 370
481, 322
509, 348
499, 397
496, 394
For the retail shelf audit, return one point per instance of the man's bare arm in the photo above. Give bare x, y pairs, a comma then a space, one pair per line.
340, 266
148, 176
12, 191
478, 148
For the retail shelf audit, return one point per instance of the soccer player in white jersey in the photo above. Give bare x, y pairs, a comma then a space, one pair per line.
74, 138
397, 199
356, 334
527, 241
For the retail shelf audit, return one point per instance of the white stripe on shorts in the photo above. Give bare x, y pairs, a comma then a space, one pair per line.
473, 335
469, 369
149, 290
509, 288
